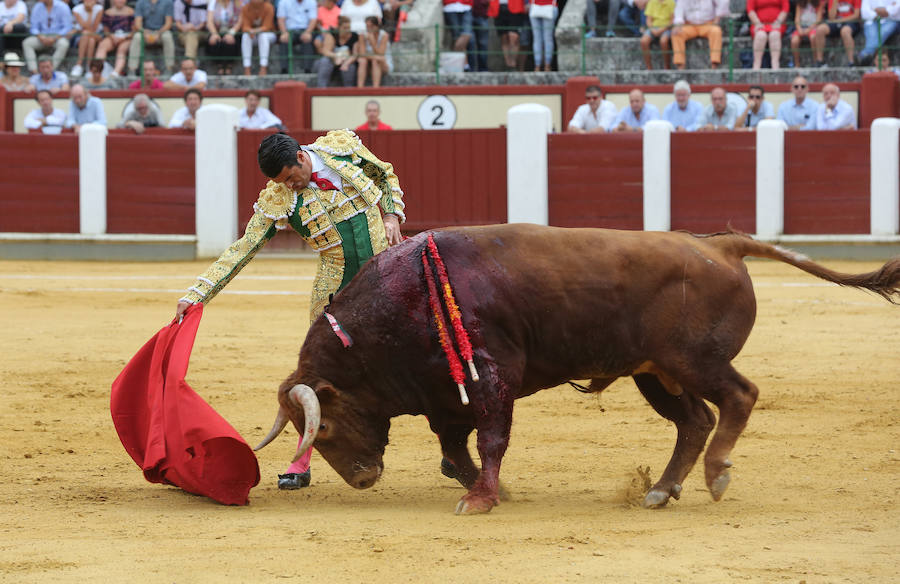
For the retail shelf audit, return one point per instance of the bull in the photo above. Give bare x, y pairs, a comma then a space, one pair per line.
542, 305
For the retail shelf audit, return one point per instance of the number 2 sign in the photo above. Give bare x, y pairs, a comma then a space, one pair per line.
437, 112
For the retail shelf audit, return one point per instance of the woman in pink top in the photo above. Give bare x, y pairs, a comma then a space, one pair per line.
767, 18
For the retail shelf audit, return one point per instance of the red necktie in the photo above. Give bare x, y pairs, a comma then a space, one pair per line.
322, 183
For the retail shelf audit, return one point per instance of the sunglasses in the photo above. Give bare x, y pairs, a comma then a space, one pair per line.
799, 87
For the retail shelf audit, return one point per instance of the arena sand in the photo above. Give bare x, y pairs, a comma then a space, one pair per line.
815, 494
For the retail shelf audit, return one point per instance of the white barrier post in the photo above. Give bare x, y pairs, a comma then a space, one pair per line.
92, 179
657, 153
770, 179
215, 159
884, 160
527, 127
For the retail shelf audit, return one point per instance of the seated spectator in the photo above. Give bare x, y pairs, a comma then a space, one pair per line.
190, 22
340, 50
509, 17
596, 115
95, 78
186, 117
45, 116
13, 80
189, 76
878, 13
807, 17
327, 15
659, 14
842, 21
684, 113
373, 118
51, 23
258, 26
84, 109
140, 113
297, 21
118, 27
767, 18
87, 29
799, 113
48, 79
358, 10
153, 21
834, 113
757, 109
719, 115
698, 18
631, 16
376, 57
542, 14
151, 78
884, 64
636, 114
612, 15
222, 19
253, 117
13, 27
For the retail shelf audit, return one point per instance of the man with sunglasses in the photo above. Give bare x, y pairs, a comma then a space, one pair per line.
757, 109
799, 113
596, 115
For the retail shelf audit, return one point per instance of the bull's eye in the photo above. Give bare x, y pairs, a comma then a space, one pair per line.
321, 427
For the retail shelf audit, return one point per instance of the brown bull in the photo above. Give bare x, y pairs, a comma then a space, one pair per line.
542, 305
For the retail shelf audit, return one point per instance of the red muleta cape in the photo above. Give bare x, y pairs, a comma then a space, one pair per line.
170, 432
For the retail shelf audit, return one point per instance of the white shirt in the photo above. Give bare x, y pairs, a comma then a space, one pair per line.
179, 117
867, 10
82, 12
318, 167
261, 118
8, 14
586, 120
358, 14
198, 77
842, 115
35, 119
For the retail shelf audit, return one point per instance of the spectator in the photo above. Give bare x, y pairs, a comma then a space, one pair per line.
87, 28
481, 29
631, 16
51, 23
659, 14
698, 18
190, 21
834, 113
767, 18
13, 80
339, 49
807, 18
395, 12
509, 16
636, 114
358, 10
684, 113
458, 20
376, 55
542, 14
118, 26
884, 64
185, 117
757, 109
257, 118
221, 22
151, 78
842, 21
13, 14
297, 21
189, 76
328, 14
799, 113
596, 115
95, 78
258, 26
875, 13
152, 26
612, 14
719, 115
48, 79
46, 116
140, 114
84, 109
373, 118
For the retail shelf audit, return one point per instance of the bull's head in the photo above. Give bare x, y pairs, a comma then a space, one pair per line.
352, 442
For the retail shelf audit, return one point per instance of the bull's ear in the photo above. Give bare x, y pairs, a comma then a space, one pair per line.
327, 394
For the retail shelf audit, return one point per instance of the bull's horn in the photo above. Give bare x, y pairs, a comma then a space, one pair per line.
305, 397
281, 420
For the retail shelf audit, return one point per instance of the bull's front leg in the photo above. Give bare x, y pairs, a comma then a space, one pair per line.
493, 424
454, 446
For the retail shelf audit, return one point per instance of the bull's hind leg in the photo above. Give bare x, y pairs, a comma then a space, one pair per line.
694, 421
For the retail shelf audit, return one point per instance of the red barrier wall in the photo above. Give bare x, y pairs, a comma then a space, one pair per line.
39, 183
596, 180
826, 182
150, 183
714, 181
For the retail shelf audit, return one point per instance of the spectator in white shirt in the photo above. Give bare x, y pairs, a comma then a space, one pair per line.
875, 14
45, 116
254, 117
186, 117
597, 115
189, 76
835, 113
13, 14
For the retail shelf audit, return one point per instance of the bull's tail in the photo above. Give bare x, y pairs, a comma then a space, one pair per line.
885, 281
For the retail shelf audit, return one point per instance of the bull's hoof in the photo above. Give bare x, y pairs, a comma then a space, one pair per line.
474, 505
719, 484
656, 498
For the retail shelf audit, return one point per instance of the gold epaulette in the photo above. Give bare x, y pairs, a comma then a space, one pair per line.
277, 202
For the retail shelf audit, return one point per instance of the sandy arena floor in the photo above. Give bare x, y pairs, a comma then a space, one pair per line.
814, 497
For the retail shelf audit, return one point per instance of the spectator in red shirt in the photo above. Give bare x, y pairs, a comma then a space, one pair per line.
151, 78
767, 18
842, 20
373, 118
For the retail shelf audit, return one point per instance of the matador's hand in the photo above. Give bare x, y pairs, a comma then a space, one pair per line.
179, 311
392, 229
